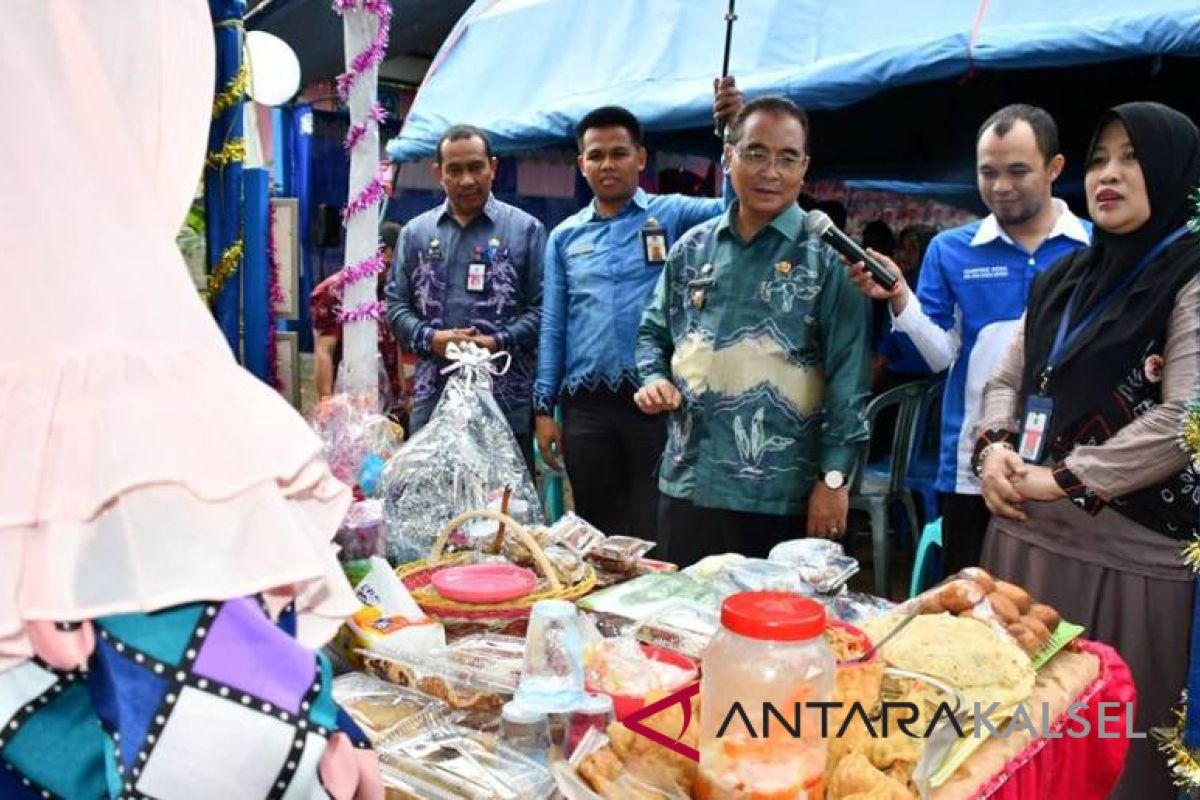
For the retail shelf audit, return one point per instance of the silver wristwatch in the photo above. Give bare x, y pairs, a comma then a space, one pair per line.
834, 479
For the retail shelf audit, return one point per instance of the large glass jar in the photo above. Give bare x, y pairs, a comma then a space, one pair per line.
770, 660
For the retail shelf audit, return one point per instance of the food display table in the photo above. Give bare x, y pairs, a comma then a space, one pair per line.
1024, 768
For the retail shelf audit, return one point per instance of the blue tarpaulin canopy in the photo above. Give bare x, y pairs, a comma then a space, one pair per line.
526, 70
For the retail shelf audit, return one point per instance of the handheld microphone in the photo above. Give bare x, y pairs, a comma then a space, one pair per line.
818, 222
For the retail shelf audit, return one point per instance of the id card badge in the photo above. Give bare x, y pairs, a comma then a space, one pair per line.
1039, 410
654, 243
476, 273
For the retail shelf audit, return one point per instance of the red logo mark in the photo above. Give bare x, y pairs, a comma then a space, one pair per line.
683, 698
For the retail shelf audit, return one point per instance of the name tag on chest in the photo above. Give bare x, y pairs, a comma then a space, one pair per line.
581, 249
476, 276
986, 273
1039, 412
654, 243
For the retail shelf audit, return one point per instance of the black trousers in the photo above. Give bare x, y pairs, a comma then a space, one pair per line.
612, 452
690, 533
965, 519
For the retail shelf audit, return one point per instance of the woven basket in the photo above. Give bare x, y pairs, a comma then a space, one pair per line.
509, 617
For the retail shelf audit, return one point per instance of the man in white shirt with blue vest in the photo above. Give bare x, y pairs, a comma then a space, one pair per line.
972, 291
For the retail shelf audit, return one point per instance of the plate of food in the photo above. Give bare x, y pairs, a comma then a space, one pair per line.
847, 642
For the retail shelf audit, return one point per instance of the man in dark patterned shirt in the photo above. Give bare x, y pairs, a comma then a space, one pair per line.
470, 270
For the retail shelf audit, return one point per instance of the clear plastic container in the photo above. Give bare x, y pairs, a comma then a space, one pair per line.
525, 730
452, 763
383, 710
769, 650
595, 713
476, 675
683, 628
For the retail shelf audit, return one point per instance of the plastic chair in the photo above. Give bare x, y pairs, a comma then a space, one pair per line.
553, 502
876, 491
931, 537
923, 468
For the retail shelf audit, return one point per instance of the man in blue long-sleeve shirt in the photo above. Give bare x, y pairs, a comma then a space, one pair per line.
601, 266
469, 270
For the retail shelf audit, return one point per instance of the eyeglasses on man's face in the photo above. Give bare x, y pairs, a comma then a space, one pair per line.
760, 159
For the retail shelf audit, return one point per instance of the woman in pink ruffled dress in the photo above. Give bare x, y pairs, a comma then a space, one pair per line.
166, 567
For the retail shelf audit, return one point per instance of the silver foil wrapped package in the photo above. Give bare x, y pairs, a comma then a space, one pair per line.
462, 460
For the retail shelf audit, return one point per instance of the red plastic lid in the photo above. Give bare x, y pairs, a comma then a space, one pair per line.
773, 616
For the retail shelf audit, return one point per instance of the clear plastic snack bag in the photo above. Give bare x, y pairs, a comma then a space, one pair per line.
361, 534
576, 534
758, 575
463, 458
821, 563
353, 433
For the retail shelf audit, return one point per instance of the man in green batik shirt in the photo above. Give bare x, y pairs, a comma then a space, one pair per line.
756, 342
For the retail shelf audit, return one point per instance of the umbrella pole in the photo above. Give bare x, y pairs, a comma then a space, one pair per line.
730, 17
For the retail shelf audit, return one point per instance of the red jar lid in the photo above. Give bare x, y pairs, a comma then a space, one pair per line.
773, 616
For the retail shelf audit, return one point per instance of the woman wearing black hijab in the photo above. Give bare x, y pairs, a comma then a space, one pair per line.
1093, 496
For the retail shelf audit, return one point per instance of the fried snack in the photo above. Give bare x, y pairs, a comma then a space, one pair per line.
1006, 610
960, 595
1035, 626
932, 604
981, 577
1045, 615
1016, 594
902, 773
878, 793
895, 751
608, 778
855, 683
601, 768
652, 762
898, 751
1024, 638
854, 740
859, 683
856, 776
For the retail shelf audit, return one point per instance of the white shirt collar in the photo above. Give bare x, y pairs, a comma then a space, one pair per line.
1067, 225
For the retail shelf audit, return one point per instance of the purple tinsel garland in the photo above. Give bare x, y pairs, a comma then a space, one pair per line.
274, 297
367, 268
370, 195
374, 192
374, 54
372, 310
377, 114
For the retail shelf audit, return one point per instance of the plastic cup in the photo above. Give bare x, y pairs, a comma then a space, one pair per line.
552, 672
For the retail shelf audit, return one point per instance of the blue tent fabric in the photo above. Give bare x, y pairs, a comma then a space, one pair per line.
526, 70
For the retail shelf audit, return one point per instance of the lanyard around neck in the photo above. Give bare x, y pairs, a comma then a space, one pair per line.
1068, 334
